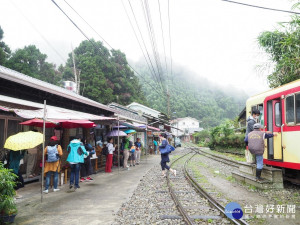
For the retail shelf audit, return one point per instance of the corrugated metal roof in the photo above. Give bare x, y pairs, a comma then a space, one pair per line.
23, 79
53, 112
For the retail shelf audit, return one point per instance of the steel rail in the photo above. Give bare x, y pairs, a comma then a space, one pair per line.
208, 196
180, 208
217, 157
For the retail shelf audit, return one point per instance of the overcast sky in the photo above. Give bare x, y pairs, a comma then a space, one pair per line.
213, 38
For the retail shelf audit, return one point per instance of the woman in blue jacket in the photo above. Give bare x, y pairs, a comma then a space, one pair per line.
76, 156
165, 149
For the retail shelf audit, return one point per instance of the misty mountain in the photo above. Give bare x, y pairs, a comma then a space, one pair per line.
191, 95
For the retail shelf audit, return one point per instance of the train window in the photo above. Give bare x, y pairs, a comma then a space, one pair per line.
253, 108
277, 114
261, 116
290, 109
297, 108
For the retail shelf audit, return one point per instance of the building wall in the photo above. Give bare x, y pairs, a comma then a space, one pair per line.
183, 124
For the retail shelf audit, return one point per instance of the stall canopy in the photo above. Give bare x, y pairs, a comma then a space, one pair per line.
59, 114
60, 123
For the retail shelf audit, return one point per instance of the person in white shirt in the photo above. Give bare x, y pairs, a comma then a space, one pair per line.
111, 148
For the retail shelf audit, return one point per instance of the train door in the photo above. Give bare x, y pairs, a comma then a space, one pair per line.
274, 122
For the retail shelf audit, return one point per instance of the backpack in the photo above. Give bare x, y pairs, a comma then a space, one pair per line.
122, 146
105, 151
79, 150
52, 154
130, 144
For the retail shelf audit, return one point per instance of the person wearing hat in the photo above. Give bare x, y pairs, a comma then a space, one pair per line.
53, 153
252, 119
256, 146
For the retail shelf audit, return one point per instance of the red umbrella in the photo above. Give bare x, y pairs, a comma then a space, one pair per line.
60, 123
76, 123
39, 123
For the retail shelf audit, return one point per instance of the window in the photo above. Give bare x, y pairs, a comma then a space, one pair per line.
290, 109
297, 108
277, 114
2, 121
253, 108
261, 116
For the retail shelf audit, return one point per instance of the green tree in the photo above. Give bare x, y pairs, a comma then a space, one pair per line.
282, 45
32, 62
104, 75
4, 50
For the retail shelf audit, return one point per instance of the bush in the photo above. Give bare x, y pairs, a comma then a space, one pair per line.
7, 191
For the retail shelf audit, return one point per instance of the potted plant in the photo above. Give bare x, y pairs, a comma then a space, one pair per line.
8, 208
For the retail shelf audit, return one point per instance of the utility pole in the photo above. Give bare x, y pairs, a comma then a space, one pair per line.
168, 96
77, 79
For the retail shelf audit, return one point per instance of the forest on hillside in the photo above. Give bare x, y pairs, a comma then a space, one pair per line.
192, 95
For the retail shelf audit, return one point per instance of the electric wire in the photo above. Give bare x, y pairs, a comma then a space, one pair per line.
88, 24
154, 75
261, 7
163, 39
36, 29
171, 60
148, 19
96, 47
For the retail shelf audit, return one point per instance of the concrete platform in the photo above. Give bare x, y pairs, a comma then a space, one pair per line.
262, 184
94, 203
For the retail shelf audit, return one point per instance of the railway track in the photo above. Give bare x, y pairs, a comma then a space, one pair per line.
216, 157
202, 201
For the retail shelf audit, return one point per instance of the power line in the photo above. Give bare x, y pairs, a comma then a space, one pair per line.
154, 75
43, 37
163, 38
148, 19
170, 42
94, 44
261, 7
88, 24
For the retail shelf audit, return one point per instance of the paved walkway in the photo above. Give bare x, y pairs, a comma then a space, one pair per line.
94, 203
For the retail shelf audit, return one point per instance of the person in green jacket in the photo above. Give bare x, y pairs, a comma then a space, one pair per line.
126, 151
76, 156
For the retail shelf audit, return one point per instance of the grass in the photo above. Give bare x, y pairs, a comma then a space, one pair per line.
230, 178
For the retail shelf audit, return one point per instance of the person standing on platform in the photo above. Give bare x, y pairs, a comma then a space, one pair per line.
53, 153
14, 164
257, 146
76, 151
126, 151
86, 168
111, 148
132, 155
155, 146
138, 149
165, 149
31, 159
